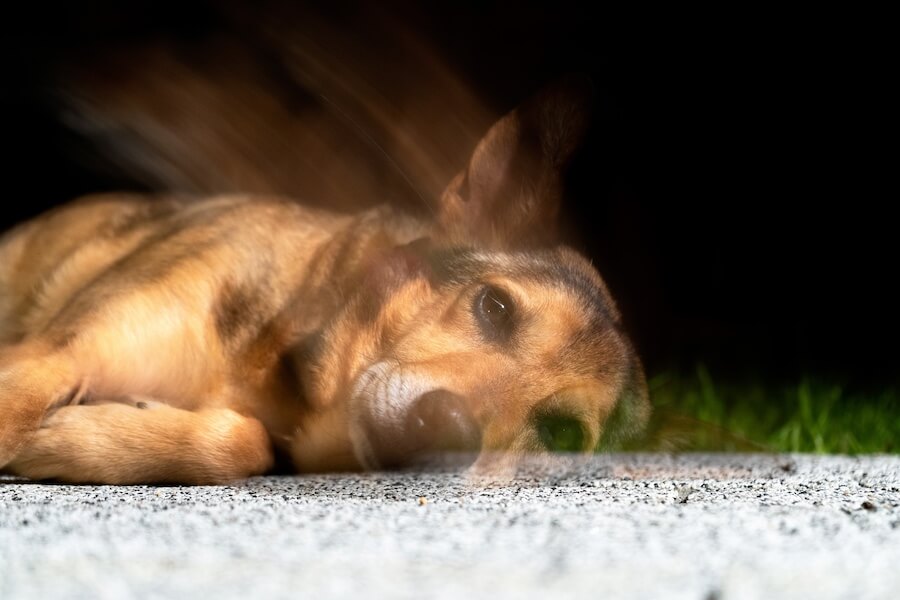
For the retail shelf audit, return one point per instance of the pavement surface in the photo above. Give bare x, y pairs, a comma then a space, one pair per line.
705, 527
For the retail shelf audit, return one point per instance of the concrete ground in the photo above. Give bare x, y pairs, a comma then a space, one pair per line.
621, 526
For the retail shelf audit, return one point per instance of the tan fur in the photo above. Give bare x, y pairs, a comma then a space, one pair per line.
168, 340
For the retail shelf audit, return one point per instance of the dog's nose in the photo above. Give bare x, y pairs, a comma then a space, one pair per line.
439, 423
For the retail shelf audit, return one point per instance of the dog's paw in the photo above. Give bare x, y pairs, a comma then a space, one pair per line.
70, 444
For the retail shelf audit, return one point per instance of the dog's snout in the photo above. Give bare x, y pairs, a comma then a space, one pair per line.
440, 421
439, 430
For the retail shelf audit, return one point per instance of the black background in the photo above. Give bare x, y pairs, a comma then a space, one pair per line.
732, 189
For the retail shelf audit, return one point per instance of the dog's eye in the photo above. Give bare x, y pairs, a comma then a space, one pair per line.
560, 434
495, 311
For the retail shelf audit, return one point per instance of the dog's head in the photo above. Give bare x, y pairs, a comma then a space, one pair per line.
483, 338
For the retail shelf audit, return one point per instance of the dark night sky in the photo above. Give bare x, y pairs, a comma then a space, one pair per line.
731, 189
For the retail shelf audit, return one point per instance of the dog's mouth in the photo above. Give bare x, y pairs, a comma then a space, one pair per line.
400, 419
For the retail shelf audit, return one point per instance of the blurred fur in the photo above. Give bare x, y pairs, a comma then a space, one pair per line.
344, 108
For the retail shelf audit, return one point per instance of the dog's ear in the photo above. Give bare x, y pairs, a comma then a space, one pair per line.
509, 195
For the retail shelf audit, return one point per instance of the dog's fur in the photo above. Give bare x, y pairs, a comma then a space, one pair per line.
174, 340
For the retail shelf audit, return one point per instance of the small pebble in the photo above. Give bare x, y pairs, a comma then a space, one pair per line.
684, 492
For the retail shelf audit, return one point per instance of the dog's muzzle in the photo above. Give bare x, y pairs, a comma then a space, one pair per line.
439, 428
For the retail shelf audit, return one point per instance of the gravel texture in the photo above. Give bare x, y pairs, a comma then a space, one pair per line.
619, 526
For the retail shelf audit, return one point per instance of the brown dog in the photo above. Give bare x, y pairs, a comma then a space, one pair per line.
169, 340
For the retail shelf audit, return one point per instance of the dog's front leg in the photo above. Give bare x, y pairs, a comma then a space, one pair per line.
34, 379
121, 444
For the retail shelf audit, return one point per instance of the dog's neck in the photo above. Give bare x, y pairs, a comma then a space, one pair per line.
332, 271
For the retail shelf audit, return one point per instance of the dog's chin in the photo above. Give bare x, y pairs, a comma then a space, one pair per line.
362, 450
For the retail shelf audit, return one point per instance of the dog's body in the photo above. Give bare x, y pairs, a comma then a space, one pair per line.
171, 340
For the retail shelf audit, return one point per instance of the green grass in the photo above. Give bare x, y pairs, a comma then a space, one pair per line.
697, 412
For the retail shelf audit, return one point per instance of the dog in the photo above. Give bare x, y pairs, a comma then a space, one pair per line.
195, 341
